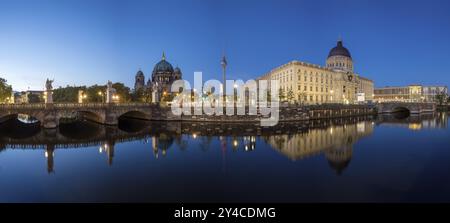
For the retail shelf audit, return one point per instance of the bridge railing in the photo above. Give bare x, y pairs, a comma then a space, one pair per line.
71, 105
22, 106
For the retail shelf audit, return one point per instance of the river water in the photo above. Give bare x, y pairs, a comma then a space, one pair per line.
359, 159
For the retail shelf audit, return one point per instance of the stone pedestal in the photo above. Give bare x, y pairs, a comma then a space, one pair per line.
49, 97
110, 91
155, 97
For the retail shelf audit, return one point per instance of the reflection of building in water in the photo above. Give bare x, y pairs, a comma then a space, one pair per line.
416, 122
335, 141
248, 143
339, 158
108, 148
161, 142
50, 154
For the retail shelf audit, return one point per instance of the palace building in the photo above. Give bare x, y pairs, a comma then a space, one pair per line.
336, 82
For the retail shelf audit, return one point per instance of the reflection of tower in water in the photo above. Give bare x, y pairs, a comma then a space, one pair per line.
223, 144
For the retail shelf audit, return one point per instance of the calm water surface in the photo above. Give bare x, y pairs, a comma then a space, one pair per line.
364, 159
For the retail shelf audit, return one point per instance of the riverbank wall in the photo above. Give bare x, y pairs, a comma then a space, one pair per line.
286, 113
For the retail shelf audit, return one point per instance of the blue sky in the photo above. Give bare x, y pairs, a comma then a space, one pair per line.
83, 42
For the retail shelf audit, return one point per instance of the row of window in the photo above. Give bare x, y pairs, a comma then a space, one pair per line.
339, 65
285, 79
305, 88
283, 74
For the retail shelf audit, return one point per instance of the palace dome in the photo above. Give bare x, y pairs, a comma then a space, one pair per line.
339, 50
163, 66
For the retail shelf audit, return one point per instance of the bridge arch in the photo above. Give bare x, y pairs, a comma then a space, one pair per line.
135, 114
91, 116
404, 109
32, 116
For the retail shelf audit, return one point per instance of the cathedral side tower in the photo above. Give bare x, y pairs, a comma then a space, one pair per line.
139, 82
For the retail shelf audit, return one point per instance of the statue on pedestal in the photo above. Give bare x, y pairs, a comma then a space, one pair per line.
48, 91
110, 91
155, 96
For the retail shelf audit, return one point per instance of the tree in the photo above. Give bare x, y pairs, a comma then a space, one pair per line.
441, 98
301, 97
5, 90
122, 91
96, 93
68, 94
281, 94
290, 95
34, 98
137, 95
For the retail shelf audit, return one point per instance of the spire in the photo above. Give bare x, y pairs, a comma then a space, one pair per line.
164, 56
339, 42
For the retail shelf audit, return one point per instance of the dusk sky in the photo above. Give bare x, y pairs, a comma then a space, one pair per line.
84, 42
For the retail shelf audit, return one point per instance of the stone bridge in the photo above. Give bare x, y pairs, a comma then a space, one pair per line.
50, 115
411, 107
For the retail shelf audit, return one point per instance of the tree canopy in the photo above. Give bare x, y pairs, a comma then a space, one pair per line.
5, 90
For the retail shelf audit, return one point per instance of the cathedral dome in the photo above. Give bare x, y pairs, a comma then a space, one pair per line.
339, 50
163, 66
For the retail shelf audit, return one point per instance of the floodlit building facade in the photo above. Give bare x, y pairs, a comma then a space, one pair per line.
410, 93
314, 84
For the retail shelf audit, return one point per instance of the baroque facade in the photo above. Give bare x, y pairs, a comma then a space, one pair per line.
314, 84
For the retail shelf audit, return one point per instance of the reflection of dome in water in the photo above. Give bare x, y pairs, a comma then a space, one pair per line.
164, 141
339, 159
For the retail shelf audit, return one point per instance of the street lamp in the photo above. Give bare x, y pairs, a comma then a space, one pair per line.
101, 95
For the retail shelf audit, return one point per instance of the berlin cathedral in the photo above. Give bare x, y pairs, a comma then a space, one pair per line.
163, 76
